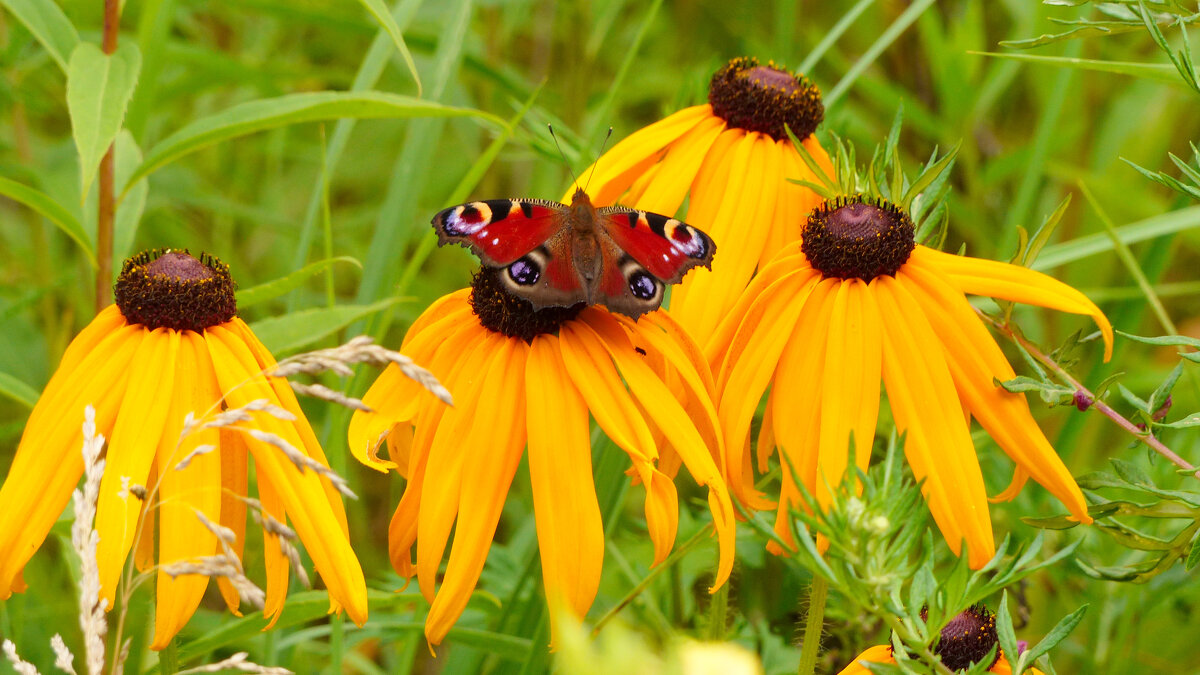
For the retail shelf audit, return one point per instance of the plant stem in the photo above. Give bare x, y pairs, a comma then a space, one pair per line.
168, 659
1099, 405
336, 630
814, 624
106, 203
717, 613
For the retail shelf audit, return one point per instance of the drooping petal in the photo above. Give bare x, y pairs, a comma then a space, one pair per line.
925, 405
662, 514
569, 529
274, 560
184, 492
48, 462
617, 169
493, 450
977, 276
131, 449
301, 493
671, 419
975, 361
234, 479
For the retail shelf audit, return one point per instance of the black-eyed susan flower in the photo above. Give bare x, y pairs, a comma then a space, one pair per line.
858, 301
732, 159
524, 378
965, 641
168, 348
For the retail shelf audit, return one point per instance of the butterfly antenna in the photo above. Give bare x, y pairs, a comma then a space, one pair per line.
593, 171
563, 155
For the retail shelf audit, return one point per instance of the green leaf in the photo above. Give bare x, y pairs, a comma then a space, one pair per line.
1150, 228
292, 331
381, 13
254, 295
1160, 72
1130, 472
1188, 422
252, 116
1051, 522
1056, 635
1100, 479
46, 21
1193, 556
1005, 632
1160, 395
17, 390
99, 87
42, 203
1169, 340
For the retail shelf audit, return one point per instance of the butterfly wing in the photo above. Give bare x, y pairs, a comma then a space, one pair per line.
644, 252
499, 231
525, 239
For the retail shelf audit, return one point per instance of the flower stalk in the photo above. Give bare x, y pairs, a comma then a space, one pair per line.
106, 201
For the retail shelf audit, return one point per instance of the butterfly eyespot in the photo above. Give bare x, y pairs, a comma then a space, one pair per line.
643, 286
525, 272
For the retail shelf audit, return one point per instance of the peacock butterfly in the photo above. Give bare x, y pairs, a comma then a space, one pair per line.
559, 255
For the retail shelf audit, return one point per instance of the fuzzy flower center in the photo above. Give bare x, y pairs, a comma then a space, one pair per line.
502, 312
968, 638
161, 288
765, 99
850, 237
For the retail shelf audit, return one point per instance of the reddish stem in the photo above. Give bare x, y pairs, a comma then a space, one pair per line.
106, 203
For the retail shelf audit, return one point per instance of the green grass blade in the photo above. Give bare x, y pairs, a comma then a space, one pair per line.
1160, 72
290, 332
99, 87
603, 114
1150, 228
42, 203
902, 22
46, 20
11, 387
261, 293
832, 35
384, 17
270, 113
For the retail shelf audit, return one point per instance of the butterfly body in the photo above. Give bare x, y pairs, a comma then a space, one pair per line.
560, 255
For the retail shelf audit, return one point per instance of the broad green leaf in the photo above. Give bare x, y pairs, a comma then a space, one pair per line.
1160, 72
42, 203
384, 17
46, 21
99, 87
129, 211
1150, 228
247, 118
254, 295
17, 390
1130, 472
292, 331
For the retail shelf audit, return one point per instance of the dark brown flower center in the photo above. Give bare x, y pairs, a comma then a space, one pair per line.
968, 638
502, 312
161, 288
765, 99
855, 236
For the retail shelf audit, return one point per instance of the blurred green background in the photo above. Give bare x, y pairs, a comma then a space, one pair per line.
1031, 134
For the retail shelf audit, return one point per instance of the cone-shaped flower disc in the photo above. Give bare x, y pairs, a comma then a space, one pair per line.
169, 348
733, 160
858, 303
524, 378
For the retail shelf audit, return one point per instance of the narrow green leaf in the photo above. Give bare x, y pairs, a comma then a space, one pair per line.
270, 113
1130, 472
1005, 632
17, 390
99, 87
384, 16
1159, 396
292, 331
47, 22
1160, 72
1188, 422
1150, 228
42, 203
1056, 635
1051, 522
248, 297
1100, 479
885, 39
1193, 556
1168, 340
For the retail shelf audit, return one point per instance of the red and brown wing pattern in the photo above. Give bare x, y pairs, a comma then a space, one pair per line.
499, 231
666, 247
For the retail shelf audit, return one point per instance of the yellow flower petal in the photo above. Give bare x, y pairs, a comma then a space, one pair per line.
131, 448
182, 493
48, 462
711, 181
274, 561
679, 167
234, 479
938, 444
493, 450
975, 361
301, 493
876, 654
570, 533
618, 168
1013, 282
662, 514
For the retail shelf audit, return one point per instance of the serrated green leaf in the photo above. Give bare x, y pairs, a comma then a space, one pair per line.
43, 204
292, 331
17, 390
47, 22
262, 114
99, 87
248, 297
1056, 635
381, 13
